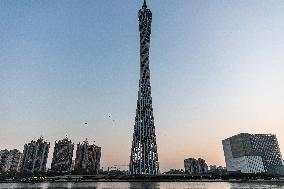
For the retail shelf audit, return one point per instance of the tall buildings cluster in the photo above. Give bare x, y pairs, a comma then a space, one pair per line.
250, 153
195, 166
35, 154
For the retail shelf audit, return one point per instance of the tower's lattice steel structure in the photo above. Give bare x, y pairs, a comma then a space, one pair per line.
144, 156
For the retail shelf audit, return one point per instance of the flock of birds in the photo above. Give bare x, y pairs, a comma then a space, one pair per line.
113, 121
110, 118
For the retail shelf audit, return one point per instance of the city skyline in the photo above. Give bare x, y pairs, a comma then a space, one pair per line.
217, 70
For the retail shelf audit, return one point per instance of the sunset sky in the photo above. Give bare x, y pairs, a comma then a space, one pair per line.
217, 69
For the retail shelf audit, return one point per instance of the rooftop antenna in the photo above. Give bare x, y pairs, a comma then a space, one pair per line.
144, 5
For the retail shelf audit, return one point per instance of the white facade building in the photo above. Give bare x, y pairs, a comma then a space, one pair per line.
245, 164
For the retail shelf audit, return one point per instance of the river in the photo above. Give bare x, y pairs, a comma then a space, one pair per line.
140, 185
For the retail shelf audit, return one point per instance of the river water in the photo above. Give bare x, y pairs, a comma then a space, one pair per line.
140, 185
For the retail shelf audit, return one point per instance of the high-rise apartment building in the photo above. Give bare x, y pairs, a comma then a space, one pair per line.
144, 155
62, 156
195, 166
10, 161
250, 153
88, 158
3, 159
35, 156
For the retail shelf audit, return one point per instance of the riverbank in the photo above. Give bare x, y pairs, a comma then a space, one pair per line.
141, 185
146, 180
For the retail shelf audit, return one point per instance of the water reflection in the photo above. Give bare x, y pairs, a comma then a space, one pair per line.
256, 186
142, 185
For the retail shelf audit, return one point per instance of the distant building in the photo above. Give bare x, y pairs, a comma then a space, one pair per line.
193, 166
202, 166
35, 156
72, 166
10, 161
251, 153
87, 158
174, 172
190, 166
277, 170
3, 158
212, 167
62, 156
217, 170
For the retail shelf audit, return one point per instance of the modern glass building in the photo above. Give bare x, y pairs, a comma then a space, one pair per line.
250, 153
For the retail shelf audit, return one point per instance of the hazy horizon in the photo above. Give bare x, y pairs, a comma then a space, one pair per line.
217, 69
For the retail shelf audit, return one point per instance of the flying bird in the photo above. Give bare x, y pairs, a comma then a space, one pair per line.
111, 118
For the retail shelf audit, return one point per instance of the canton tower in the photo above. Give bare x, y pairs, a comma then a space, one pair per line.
144, 156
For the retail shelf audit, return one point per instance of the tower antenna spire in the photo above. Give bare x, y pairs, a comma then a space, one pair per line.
144, 5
